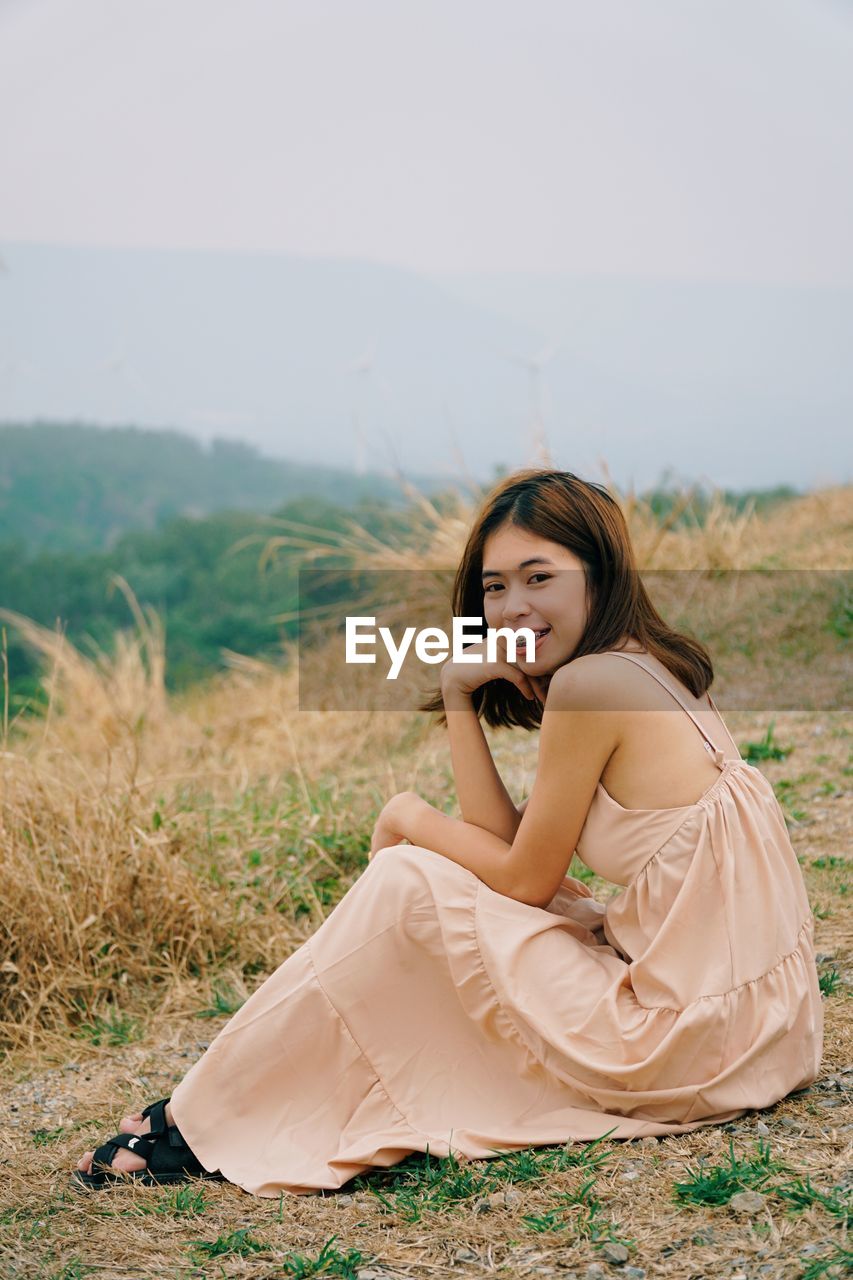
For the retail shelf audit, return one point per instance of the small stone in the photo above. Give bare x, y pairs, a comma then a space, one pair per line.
594, 1272
762, 1129
809, 1249
631, 1175
635, 1273
648, 1142
788, 1122
616, 1253
465, 1255
345, 1201
831, 1102
747, 1202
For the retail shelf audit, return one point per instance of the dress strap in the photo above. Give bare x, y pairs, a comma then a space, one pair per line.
725, 726
719, 757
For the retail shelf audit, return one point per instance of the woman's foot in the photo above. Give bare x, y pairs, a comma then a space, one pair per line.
126, 1160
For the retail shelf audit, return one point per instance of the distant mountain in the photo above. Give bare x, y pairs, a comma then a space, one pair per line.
362, 365
77, 488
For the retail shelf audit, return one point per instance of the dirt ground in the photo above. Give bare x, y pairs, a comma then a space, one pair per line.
551, 1215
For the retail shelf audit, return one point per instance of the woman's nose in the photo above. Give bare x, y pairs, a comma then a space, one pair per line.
514, 607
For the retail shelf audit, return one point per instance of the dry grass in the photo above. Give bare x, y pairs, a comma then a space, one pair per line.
160, 855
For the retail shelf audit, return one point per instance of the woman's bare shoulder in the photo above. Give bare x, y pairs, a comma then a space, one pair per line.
598, 681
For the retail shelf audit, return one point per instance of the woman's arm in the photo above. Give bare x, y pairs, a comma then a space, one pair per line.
577, 739
483, 799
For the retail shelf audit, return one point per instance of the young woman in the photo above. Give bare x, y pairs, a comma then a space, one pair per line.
466, 994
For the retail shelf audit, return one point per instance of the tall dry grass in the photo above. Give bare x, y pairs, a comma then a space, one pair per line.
153, 845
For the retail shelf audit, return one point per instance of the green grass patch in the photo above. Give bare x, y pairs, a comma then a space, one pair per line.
182, 1202
580, 871
840, 617
75, 1269
581, 1212
43, 1137
838, 1262
716, 1184
329, 1262
224, 1002
423, 1183
767, 748
828, 982
241, 1243
799, 1194
113, 1028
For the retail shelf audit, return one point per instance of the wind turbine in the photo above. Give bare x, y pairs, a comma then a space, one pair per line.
458, 456
360, 368
119, 364
364, 368
13, 370
539, 450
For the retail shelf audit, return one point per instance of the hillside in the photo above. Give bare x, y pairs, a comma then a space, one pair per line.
76, 488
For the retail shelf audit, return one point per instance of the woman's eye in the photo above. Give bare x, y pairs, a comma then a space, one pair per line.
488, 589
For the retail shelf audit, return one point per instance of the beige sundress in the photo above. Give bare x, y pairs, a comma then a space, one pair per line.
430, 1012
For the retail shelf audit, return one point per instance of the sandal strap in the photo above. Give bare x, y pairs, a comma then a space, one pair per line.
141, 1144
174, 1156
156, 1114
146, 1111
176, 1138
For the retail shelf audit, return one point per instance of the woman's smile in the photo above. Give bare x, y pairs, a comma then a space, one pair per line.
541, 634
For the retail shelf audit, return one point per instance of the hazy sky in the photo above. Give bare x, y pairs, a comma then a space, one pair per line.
702, 139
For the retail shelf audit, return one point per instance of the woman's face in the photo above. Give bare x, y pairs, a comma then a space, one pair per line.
550, 593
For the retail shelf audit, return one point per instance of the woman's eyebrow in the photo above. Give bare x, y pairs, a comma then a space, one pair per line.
495, 573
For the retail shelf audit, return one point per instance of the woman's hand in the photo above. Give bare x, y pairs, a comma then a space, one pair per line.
392, 822
463, 678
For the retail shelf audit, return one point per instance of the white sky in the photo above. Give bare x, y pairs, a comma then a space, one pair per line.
701, 139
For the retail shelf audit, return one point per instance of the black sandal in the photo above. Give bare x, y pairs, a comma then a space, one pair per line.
168, 1156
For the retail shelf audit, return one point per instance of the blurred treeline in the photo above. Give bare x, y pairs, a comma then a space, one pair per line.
203, 576
185, 529
71, 487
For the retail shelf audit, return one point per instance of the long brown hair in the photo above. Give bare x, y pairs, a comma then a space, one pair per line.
584, 517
